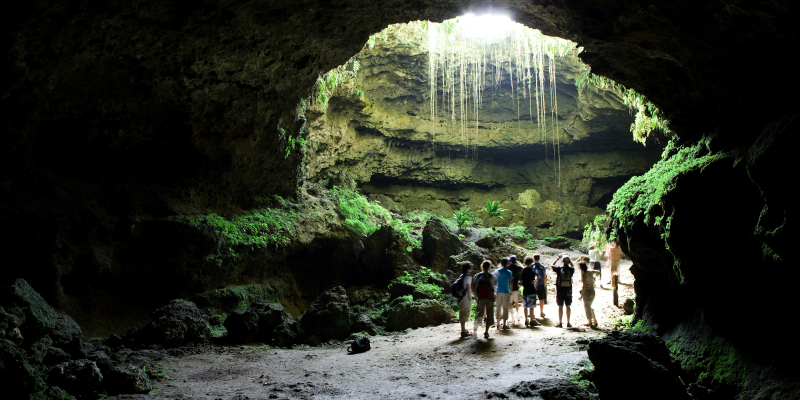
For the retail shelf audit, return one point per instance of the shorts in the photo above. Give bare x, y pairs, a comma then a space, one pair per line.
563, 295
541, 292
516, 297
529, 301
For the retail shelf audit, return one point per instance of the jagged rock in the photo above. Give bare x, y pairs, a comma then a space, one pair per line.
176, 324
362, 323
36, 318
553, 389
328, 316
55, 356
340, 179
256, 323
67, 335
365, 298
488, 242
628, 305
38, 349
8, 324
438, 244
403, 314
121, 378
288, 333
470, 254
643, 359
17, 377
557, 242
76, 376
385, 255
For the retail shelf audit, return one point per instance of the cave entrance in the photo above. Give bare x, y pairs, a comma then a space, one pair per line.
452, 116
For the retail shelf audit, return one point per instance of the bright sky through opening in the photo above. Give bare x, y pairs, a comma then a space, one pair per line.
487, 26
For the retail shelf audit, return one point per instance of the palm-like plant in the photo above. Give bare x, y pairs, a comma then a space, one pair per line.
493, 209
462, 220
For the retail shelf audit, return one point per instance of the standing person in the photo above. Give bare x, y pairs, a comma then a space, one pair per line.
614, 255
563, 287
587, 291
465, 302
484, 284
541, 283
528, 281
516, 296
595, 256
504, 278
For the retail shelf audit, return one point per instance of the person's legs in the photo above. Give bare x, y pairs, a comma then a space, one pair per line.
588, 298
463, 313
541, 293
560, 302
568, 303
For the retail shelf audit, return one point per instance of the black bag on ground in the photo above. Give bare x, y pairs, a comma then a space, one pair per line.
359, 345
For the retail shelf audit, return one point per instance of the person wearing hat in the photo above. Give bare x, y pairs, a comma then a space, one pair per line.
516, 296
563, 286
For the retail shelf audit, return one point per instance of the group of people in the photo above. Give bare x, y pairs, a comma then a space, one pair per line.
497, 291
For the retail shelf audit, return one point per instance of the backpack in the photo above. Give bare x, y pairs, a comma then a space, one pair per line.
566, 276
457, 288
485, 289
359, 346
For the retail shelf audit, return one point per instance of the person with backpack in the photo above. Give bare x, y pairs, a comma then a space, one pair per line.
587, 291
503, 300
528, 281
462, 291
563, 287
484, 284
541, 283
516, 296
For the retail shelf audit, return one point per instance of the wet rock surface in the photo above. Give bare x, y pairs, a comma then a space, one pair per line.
643, 359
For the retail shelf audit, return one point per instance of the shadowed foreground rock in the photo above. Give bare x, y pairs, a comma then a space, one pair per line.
634, 365
553, 389
403, 314
256, 323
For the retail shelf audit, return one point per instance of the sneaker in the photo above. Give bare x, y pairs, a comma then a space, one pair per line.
464, 334
527, 323
559, 326
534, 323
541, 315
486, 335
569, 325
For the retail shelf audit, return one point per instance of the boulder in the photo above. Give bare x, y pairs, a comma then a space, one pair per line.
256, 323
76, 376
328, 316
488, 242
18, 379
552, 389
403, 314
38, 349
176, 324
55, 356
8, 324
67, 335
438, 244
385, 256
643, 359
35, 317
362, 323
121, 378
288, 333
557, 242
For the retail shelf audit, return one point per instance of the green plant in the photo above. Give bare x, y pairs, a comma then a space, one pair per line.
462, 220
258, 228
493, 209
424, 281
334, 78
595, 231
361, 216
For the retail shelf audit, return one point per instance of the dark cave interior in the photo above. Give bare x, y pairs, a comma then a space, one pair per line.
122, 121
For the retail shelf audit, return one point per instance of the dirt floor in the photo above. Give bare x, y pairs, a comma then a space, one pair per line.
430, 362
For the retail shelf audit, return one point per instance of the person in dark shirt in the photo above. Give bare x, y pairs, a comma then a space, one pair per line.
563, 286
541, 283
516, 296
528, 281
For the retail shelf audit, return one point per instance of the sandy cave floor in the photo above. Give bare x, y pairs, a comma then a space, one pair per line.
431, 362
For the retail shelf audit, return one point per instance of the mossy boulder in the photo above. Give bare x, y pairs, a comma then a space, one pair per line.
36, 318
76, 376
178, 323
18, 378
121, 378
256, 323
328, 317
403, 313
438, 244
288, 333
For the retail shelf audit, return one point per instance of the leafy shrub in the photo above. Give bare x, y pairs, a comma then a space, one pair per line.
361, 215
259, 228
493, 209
595, 231
424, 280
